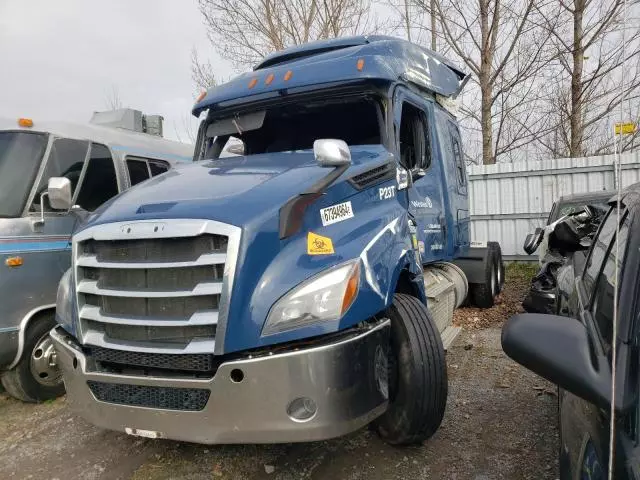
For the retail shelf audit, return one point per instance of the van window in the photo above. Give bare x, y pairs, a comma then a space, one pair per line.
100, 182
141, 169
20, 157
138, 171
415, 151
65, 160
157, 168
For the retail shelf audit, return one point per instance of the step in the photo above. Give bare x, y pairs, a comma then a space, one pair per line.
448, 335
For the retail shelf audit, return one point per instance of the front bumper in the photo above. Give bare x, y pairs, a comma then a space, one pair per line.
345, 379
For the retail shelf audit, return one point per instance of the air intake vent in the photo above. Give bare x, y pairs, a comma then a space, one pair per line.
166, 361
193, 399
375, 175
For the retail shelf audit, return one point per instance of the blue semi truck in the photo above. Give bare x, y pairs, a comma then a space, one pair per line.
296, 292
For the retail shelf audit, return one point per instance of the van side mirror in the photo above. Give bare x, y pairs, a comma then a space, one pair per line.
559, 349
331, 152
59, 192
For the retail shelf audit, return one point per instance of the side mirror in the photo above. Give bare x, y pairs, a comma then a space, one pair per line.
59, 192
533, 240
330, 152
559, 350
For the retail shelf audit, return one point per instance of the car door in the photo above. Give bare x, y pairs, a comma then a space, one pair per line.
584, 428
414, 141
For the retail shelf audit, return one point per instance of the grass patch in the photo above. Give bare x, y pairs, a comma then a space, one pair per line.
521, 270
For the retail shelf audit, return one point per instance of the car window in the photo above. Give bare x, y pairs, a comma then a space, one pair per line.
65, 160
602, 302
100, 182
598, 252
415, 151
461, 173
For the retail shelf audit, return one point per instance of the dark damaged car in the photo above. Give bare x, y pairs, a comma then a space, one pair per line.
571, 226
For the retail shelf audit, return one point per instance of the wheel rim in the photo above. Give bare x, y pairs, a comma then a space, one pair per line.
44, 364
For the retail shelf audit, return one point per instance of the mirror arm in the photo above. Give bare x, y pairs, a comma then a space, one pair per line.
39, 222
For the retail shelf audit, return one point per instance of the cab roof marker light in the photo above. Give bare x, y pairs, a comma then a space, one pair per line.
253, 82
25, 122
360, 64
269, 79
201, 96
288, 75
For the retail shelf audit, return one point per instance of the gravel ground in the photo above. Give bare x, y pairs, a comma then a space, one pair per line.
500, 424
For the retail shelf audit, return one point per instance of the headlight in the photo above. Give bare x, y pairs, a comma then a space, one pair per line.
64, 302
324, 297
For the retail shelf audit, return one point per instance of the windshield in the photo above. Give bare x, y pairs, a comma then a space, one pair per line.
20, 156
291, 127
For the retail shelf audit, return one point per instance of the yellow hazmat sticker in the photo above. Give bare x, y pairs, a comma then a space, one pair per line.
319, 245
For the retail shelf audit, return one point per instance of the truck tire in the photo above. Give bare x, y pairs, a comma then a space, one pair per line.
36, 378
483, 294
417, 375
497, 250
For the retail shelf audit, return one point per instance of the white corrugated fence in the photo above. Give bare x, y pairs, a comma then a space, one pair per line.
509, 200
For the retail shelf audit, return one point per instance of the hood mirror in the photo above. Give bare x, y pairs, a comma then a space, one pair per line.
331, 152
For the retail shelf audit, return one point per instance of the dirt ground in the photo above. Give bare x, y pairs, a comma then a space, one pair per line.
500, 424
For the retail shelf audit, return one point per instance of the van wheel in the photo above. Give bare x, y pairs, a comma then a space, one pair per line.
417, 375
36, 377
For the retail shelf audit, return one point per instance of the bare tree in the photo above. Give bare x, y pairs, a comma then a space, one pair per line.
202, 72
112, 100
244, 31
503, 46
597, 68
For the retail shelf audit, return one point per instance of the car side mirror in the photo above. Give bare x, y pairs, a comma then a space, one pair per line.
331, 152
559, 349
533, 240
59, 193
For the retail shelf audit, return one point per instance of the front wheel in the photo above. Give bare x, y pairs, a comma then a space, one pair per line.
417, 375
37, 376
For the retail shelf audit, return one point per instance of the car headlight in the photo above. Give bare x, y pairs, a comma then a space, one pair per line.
64, 302
324, 297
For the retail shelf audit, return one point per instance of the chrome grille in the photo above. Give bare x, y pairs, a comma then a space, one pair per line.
155, 286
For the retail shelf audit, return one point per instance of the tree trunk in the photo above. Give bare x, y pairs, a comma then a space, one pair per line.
484, 78
577, 127
433, 25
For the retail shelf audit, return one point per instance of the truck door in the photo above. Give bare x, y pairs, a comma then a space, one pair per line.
455, 181
414, 144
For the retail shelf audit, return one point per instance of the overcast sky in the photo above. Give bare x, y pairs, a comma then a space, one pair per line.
61, 59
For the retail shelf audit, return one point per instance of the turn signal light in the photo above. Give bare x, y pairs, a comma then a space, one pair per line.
352, 289
360, 64
25, 122
14, 262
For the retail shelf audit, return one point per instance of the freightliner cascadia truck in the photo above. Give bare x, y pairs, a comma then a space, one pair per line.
298, 291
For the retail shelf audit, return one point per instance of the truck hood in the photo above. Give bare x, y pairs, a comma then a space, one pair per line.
232, 190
